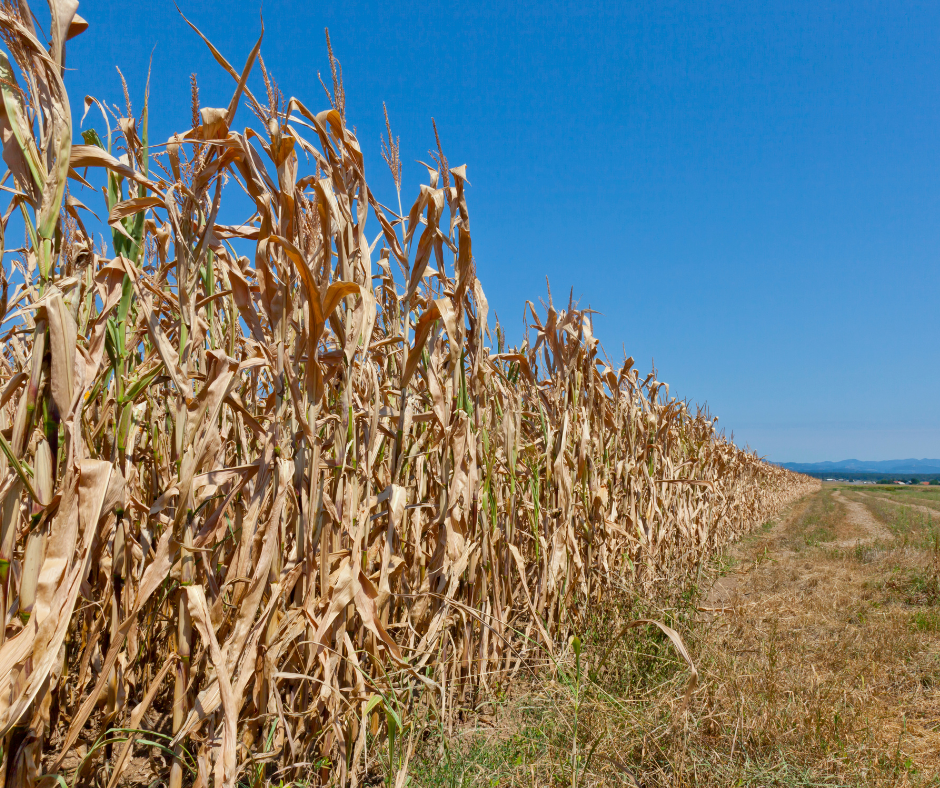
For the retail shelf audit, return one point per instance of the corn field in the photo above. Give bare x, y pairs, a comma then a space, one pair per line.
265, 484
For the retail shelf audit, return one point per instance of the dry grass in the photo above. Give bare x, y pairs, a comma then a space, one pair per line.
821, 668
272, 495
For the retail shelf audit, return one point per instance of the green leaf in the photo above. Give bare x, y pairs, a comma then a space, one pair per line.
394, 721
111, 342
137, 386
374, 701
20, 468
127, 293
90, 136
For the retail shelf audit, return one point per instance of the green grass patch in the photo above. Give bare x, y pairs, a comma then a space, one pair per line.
926, 621
817, 523
912, 527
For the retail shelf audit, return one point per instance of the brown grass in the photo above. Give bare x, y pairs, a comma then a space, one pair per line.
819, 665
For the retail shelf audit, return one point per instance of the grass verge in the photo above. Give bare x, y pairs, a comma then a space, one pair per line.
821, 666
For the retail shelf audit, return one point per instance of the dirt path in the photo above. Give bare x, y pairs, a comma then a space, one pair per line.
823, 643
861, 517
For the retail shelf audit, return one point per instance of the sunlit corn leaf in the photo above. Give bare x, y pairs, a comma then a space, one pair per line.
260, 489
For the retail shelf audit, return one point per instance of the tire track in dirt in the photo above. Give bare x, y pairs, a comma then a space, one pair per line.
727, 590
857, 514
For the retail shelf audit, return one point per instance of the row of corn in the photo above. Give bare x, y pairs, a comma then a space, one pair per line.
264, 484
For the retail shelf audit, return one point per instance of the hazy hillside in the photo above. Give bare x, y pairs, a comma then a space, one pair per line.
867, 466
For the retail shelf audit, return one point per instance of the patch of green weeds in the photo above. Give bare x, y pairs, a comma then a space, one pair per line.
816, 525
926, 621
922, 588
866, 553
479, 758
818, 533
725, 563
915, 588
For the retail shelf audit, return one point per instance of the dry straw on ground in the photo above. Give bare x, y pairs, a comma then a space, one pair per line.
263, 482
817, 644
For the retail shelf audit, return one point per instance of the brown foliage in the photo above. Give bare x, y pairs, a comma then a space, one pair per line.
287, 481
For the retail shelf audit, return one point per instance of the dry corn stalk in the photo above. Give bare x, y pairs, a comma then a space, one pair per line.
257, 477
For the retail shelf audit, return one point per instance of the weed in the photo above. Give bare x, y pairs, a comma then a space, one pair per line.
926, 620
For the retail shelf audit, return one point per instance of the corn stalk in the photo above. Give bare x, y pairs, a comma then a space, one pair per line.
278, 460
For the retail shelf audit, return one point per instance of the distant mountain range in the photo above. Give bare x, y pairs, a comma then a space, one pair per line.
866, 466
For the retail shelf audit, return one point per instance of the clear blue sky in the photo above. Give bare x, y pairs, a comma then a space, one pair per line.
749, 193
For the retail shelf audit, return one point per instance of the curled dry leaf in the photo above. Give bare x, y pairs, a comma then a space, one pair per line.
288, 481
